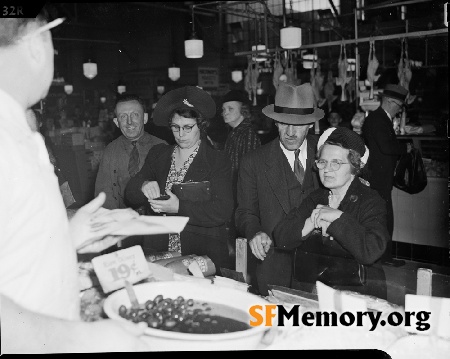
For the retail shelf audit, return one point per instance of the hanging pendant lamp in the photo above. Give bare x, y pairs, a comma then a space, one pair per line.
90, 69
290, 37
260, 56
308, 60
351, 64
174, 73
193, 48
68, 89
121, 88
236, 75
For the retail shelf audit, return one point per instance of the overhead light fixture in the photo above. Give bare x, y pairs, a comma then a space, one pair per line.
103, 99
193, 48
260, 56
308, 60
90, 69
121, 87
236, 75
68, 89
174, 73
290, 37
160, 89
351, 64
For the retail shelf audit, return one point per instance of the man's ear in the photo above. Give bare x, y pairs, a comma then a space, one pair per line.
145, 117
36, 50
116, 122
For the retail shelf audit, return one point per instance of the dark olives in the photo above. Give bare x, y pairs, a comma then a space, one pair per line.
181, 315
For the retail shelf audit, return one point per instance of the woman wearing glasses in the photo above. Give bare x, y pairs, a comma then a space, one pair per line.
339, 231
209, 205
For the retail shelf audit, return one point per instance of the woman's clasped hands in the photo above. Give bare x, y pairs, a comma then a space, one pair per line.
322, 216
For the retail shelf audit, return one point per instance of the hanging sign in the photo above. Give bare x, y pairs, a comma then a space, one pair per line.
208, 77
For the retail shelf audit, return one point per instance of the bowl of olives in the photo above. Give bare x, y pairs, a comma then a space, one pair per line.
190, 316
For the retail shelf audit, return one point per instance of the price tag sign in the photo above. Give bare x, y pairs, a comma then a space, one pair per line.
113, 269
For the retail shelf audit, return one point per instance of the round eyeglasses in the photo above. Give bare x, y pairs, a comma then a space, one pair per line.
334, 164
187, 128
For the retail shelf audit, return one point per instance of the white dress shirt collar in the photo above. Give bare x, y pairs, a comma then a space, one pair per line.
290, 155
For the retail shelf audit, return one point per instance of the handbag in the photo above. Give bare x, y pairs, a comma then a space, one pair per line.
192, 191
410, 174
344, 273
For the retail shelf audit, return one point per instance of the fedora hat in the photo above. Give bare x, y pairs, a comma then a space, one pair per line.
294, 105
395, 91
190, 97
236, 95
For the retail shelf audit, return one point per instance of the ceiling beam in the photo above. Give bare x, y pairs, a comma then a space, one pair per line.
163, 6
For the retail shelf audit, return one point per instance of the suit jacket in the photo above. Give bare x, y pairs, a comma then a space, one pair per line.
206, 217
267, 190
112, 175
360, 236
381, 140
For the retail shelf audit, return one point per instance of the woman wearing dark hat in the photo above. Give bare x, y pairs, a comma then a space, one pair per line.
340, 230
241, 139
187, 111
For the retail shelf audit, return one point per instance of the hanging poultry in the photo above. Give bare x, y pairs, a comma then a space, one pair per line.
277, 70
248, 76
404, 72
372, 67
254, 80
251, 79
351, 89
289, 68
342, 79
328, 90
316, 79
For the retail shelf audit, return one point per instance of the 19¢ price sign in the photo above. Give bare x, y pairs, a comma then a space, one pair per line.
113, 269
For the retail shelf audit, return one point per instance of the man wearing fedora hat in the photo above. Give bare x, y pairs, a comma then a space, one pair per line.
381, 140
275, 178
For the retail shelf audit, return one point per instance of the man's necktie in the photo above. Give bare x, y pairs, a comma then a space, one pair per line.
133, 164
298, 168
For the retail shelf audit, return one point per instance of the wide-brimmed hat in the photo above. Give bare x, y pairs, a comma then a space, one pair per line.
349, 139
236, 95
190, 97
294, 105
394, 91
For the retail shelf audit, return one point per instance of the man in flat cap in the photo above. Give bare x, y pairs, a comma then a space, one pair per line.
275, 178
381, 140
